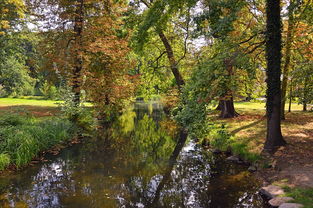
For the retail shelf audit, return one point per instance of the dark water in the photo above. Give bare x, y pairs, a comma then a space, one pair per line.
142, 160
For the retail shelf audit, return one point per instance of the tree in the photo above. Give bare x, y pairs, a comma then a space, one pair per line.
157, 18
296, 14
85, 42
274, 137
10, 12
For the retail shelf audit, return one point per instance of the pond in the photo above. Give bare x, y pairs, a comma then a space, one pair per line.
142, 160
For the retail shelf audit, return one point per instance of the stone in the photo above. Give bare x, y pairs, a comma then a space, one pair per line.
271, 191
216, 151
233, 158
277, 201
252, 168
290, 205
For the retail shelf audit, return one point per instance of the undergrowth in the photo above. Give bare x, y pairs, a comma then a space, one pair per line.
23, 137
301, 195
219, 138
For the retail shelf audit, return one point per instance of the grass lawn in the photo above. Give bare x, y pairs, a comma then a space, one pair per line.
35, 105
31, 101
261, 106
250, 127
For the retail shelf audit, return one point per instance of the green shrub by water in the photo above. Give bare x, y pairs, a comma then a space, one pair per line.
23, 137
219, 138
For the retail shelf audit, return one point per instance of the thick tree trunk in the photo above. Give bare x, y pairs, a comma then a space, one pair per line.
226, 104
289, 40
228, 109
274, 137
220, 105
170, 55
78, 59
305, 106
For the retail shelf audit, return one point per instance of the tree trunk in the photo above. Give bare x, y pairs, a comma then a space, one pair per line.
290, 96
78, 59
220, 105
226, 104
228, 109
305, 94
304, 106
290, 33
170, 55
274, 138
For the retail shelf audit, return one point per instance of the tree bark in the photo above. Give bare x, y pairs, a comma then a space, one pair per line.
173, 63
290, 96
228, 108
290, 33
78, 59
274, 138
226, 104
305, 94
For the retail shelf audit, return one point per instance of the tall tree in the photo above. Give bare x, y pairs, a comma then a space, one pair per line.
158, 16
10, 12
274, 137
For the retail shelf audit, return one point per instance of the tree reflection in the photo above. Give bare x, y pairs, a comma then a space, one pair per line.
138, 161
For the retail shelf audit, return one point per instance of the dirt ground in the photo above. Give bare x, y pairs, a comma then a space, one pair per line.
293, 164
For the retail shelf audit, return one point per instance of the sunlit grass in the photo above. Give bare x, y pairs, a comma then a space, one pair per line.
4, 102
261, 106
31, 101
250, 127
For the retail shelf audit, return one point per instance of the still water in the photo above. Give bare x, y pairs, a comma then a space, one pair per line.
142, 160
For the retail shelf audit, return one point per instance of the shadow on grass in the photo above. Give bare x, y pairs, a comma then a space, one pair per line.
38, 111
246, 126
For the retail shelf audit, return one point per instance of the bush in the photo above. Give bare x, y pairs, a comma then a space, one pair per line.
49, 91
23, 137
220, 139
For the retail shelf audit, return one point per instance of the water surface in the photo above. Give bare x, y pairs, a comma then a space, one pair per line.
142, 160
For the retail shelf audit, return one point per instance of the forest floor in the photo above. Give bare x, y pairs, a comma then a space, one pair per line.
291, 165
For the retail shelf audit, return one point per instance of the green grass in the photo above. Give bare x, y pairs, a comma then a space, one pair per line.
32, 101
261, 106
248, 131
301, 195
23, 137
4, 102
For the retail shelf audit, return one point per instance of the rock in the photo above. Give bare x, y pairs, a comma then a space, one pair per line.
252, 168
271, 191
290, 205
277, 201
233, 158
216, 151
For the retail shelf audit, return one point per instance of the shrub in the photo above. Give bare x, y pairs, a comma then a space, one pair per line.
49, 91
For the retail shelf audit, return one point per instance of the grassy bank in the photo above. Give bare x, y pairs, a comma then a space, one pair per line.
292, 163
29, 126
23, 137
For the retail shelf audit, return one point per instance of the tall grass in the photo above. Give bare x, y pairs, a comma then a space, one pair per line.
23, 137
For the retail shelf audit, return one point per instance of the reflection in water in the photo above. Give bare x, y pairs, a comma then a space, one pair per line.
137, 162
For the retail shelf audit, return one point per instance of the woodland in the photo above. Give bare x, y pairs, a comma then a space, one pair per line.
234, 75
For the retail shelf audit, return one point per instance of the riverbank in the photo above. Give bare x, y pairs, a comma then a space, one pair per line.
30, 127
291, 166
